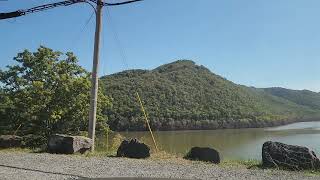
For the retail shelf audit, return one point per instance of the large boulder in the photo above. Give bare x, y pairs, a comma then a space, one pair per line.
133, 149
64, 144
203, 154
276, 154
10, 141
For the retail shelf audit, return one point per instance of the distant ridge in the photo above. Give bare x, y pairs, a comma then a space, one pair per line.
184, 95
301, 97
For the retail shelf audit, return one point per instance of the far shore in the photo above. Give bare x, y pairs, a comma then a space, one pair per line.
258, 124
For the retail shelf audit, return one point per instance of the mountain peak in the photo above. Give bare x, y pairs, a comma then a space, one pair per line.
179, 65
184, 95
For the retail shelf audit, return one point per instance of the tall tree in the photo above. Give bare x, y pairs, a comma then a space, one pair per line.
47, 92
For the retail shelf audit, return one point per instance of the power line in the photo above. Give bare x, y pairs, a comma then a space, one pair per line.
115, 36
98, 11
23, 12
134, 84
78, 37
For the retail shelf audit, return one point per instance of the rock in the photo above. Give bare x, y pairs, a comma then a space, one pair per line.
203, 154
10, 141
64, 144
133, 149
276, 154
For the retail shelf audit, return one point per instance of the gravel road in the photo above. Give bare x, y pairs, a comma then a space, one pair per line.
48, 166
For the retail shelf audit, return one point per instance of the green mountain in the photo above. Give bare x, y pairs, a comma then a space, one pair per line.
301, 97
183, 95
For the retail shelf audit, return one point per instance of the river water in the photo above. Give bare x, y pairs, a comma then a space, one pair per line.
235, 144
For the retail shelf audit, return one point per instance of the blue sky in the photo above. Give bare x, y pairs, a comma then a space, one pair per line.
252, 42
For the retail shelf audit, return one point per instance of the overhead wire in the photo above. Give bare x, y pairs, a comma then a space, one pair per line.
124, 61
117, 40
79, 35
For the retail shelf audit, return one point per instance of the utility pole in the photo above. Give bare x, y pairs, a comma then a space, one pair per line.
95, 78
98, 11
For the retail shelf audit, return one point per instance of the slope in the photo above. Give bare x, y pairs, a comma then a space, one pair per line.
183, 95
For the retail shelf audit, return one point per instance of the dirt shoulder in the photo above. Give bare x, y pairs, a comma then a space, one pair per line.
26, 165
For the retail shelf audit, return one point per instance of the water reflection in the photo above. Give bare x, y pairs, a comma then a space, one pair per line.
235, 143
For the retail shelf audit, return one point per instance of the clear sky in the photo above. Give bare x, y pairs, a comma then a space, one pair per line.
252, 42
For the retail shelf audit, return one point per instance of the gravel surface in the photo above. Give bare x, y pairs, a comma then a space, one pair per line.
48, 166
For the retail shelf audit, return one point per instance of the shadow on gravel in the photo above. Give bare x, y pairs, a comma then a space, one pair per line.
46, 172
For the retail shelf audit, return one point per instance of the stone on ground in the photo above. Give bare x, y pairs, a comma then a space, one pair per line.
203, 154
276, 154
10, 141
64, 144
133, 149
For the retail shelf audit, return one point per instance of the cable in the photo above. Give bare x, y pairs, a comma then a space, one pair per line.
117, 40
38, 8
84, 27
115, 4
124, 61
23, 12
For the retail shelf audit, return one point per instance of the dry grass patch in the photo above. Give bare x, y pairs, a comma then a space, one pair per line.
17, 150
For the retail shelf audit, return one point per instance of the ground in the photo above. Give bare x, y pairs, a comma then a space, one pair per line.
27, 165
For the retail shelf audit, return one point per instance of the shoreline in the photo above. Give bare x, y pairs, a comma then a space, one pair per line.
258, 124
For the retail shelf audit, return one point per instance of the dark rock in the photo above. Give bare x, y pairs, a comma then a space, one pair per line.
10, 141
276, 154
64, 144
133, 149
203, 154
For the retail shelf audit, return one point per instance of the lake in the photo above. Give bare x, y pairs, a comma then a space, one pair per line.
235, 144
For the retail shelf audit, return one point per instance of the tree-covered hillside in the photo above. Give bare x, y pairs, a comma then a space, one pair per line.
301, 97
183, 95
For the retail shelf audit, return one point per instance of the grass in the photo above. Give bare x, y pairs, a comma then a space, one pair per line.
312, 173
111, 149
165, 156
99, 154
17, 150
255, 164
249, 164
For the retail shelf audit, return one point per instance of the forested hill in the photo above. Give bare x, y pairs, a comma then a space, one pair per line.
183, 95
302, 97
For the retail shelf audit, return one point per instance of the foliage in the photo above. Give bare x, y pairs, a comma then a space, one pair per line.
183, 95
301, 97
47, 92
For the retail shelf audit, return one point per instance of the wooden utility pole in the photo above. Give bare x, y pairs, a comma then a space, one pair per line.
98, 11
95, 78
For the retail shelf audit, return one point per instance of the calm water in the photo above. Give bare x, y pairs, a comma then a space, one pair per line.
235, 143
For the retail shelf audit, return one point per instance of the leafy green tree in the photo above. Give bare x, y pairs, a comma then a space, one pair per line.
47, 92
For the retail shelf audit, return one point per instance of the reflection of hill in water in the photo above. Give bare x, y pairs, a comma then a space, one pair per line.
233, 143
179, 142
